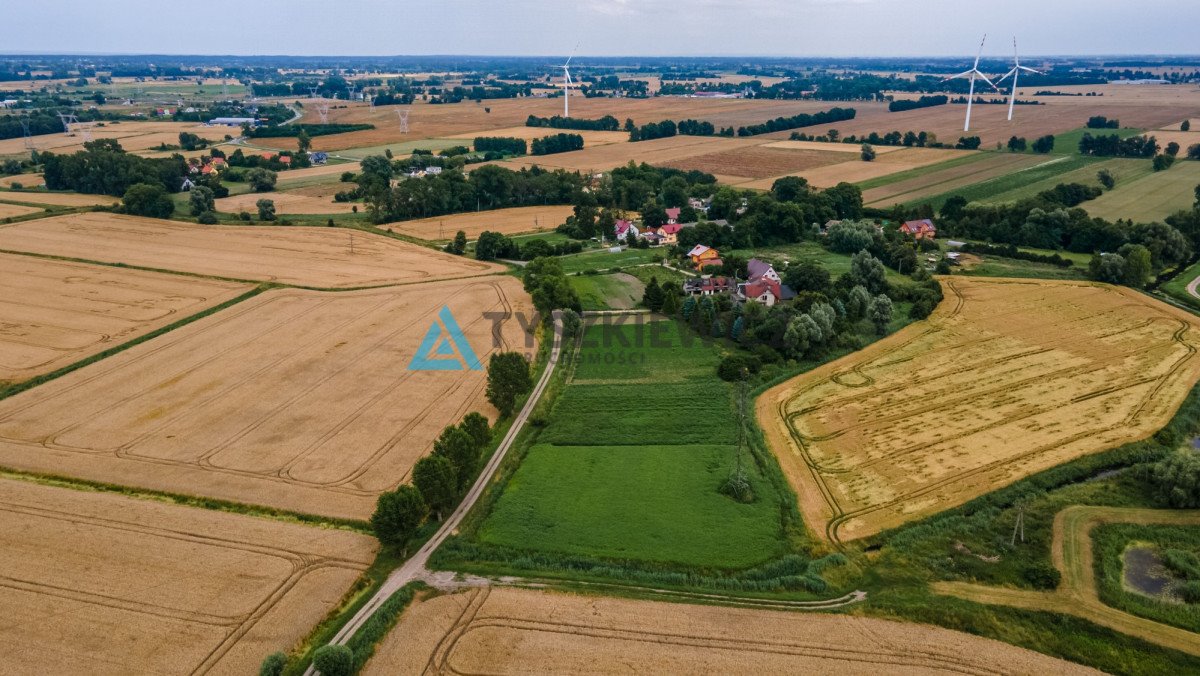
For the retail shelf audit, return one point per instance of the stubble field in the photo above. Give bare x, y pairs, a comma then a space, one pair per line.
297, 400
1007, 378
516, 631
513, 221
131, 135
292, 202
16, 210
53, 313
59, 199
305, 256
98, 583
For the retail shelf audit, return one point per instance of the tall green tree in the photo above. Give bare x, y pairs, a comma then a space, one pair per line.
437, 480
880, 313
508, 379
653, 297
334, 660
461, 450
398, 514
478, 427
148, 199
201, 200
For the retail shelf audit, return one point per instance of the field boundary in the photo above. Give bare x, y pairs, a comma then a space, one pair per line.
1072, 554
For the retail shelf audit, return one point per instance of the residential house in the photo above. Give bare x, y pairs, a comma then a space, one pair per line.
622, 227
433, 171
673, 215
187, 185
318, 157
653, 238
699, 204
922, 229
704, 256
763, 284
669, 234
707, 286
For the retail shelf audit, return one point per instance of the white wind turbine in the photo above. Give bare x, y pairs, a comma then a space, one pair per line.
567, 83
973, 74
1015, 73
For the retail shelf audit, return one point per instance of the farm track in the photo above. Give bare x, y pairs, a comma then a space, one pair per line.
1072, 554
415, 567
1112, 337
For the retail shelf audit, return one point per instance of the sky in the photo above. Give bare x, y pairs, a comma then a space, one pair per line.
601, 27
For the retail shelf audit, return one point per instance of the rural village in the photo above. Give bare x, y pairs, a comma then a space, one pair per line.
596, 364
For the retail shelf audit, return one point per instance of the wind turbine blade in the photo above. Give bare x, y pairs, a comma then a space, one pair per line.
983, 77
980, 55
572, 54
1030, 70
965, 73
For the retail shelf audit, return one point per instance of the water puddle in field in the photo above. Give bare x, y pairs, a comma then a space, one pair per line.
1145, 573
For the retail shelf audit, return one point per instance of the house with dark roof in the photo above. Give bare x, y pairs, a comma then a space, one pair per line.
708, 286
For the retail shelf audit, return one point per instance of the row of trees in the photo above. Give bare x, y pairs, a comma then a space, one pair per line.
1112, 145
506, 145
796, 121
104, 168
606, 123
923, 102
556, 143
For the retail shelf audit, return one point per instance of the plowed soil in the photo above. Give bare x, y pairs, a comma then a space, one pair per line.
1007, 378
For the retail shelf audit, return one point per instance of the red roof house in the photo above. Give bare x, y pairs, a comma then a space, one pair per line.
922, 229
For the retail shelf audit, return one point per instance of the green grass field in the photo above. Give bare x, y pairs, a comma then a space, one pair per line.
402, 148
921, 171
1150, 197
607, 292
1047, 171
1177, 287
631, 457
1123, 169
1067, 143
603, 260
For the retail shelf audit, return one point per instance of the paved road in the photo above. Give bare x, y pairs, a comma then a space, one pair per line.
414, 568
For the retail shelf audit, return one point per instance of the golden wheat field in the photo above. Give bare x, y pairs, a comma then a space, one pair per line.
53, 313
99, 583
299, 400
303, 256
1006, 378
516, 631
512, 221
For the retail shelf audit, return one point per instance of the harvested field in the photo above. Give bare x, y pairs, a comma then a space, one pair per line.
470, 118
98, 583
15, 210
848, 148
318, 257
319, 170
235, 406
1152, 197
508, 221
661, 151
1185, 139
131, 135
56, 313
518, 631
942, 181
59, 199
292, 202
1007, 378
753, 162
590, 138
853, 170
1071, 551
1137, 107
27, 180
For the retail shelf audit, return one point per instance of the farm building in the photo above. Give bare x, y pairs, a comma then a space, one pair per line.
922, 229
232, 121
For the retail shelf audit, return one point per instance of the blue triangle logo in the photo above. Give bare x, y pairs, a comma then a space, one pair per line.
445, 348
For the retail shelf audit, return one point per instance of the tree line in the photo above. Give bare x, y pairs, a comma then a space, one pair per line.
796, 121
506, 145
310, 129
556, 143
606, 123
913, 104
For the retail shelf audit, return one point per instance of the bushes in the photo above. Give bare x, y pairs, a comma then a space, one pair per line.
1044, 144
261, 180
737, 367
1042, 575
273, 665
1176, 480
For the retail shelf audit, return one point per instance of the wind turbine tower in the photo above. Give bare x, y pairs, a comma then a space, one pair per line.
567, 84
973, 74
1015, 73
